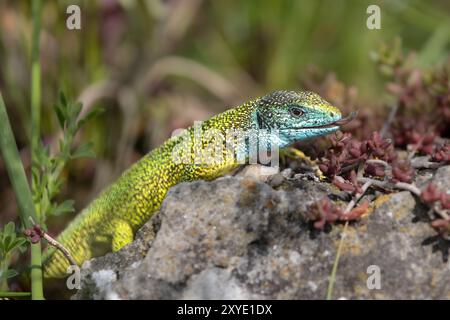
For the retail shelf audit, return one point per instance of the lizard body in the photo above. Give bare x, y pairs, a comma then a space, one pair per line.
110, 221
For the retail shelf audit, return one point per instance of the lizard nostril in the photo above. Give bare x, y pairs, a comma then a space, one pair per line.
332, 114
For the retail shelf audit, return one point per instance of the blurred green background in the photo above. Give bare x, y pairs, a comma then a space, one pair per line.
155, 66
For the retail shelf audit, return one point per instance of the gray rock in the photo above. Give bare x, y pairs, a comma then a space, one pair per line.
442, 178
240, 238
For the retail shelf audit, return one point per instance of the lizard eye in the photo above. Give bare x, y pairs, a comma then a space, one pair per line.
296, 112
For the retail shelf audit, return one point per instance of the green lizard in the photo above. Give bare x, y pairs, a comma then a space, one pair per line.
110, 221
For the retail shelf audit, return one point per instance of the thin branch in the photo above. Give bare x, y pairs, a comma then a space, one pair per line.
38, 232
389, 121
408, 187
388, 185
358, 196
60, 247
424, 163
442, 213
377, 161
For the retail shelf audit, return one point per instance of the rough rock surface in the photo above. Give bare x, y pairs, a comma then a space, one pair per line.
242, 238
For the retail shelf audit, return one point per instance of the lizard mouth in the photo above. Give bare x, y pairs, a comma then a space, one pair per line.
338, 123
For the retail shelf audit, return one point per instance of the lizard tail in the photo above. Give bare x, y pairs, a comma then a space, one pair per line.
54, 264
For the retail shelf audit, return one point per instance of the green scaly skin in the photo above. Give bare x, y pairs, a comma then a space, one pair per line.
110, 221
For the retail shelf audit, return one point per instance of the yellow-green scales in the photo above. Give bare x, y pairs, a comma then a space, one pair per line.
111, 220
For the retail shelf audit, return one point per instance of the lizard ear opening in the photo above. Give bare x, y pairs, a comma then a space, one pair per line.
260, 121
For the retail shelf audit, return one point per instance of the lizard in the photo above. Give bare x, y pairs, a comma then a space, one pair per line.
110, 221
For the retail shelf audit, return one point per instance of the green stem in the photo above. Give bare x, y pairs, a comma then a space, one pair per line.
14, 294
37, 289
4, 264
36, 252
332, 278
21, 189
35, 79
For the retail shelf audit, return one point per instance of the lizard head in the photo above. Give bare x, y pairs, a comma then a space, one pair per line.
297, 116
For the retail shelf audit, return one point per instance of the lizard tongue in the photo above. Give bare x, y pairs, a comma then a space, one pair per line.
347, 119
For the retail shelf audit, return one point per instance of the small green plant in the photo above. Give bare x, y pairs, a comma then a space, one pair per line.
10, 243
46, 182
16, 173
47, 167
37, 205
